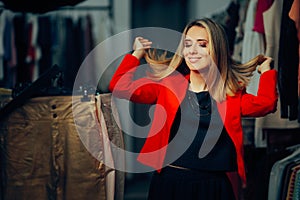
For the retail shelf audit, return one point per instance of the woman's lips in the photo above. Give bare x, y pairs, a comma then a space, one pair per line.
194, 59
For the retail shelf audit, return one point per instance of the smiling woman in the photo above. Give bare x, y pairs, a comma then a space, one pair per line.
203, 94
196, 49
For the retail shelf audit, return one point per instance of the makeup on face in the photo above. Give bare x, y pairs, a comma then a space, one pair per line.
196, 49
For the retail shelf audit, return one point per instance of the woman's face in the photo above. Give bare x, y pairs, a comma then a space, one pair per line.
196, 49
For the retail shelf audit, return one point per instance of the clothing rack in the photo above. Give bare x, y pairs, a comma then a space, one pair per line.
62, 14
90, 8
108, 7
30, 91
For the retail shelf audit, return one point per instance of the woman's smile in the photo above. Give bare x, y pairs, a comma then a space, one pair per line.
194, 60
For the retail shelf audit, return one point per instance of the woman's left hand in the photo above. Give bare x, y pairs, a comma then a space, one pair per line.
265, 65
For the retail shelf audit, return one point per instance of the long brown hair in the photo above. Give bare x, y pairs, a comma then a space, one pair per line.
159, 62
229, 76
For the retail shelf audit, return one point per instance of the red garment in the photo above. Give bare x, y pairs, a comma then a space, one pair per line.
262, 6
170, 91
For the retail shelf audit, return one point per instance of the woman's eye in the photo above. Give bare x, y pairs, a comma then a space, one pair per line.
187, 44
202, 44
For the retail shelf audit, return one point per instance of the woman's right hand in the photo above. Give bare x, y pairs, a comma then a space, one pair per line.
140, 46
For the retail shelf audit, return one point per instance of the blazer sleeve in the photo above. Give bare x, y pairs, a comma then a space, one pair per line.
123, 85
265, 101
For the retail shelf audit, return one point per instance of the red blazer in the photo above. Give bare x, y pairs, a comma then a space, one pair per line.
170, 91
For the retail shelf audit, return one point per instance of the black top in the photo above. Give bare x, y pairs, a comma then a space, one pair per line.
197, 116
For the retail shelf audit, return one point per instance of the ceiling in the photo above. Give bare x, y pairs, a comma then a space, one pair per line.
35, 6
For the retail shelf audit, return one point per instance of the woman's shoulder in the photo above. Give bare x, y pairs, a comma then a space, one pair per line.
176, 77
175, 81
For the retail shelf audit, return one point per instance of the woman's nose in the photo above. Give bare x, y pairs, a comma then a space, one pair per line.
193, 49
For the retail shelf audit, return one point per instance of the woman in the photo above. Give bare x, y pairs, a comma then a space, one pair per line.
212, 90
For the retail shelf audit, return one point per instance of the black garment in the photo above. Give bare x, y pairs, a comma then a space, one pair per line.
222, 157
21, 32
201, 178
288, 59
44, 40
177, 184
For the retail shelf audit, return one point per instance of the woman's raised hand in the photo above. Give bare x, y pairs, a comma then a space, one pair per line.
140, 46
265, 64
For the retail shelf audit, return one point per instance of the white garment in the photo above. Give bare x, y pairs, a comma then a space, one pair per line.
253, 44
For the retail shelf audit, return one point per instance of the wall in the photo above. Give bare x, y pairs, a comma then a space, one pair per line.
203, 8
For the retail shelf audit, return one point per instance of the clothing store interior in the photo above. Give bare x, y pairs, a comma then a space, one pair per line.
47, 152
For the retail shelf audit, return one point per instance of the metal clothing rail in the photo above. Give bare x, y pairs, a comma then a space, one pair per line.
108, 7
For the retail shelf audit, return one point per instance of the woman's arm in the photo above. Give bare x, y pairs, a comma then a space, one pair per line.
123, 84
140, 46
265, 101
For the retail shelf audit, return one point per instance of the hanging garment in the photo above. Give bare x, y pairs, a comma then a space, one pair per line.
285, 184
112, 123
229, 18
291, 183
253, 44
296, 194
277, 175
21, 43
2, 29
57, 150
262, 6
10, 52
238, 41
272, 23
294, 14
288, 60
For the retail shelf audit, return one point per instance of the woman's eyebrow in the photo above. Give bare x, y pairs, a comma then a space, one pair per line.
200, 40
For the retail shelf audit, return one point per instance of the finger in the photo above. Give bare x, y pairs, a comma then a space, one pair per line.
147, 44
263, 59
267, 61
139, 38
143, 39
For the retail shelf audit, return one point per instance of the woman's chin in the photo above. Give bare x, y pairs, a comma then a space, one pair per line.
199, 69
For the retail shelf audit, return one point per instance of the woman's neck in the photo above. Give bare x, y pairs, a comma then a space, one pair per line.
197, 82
